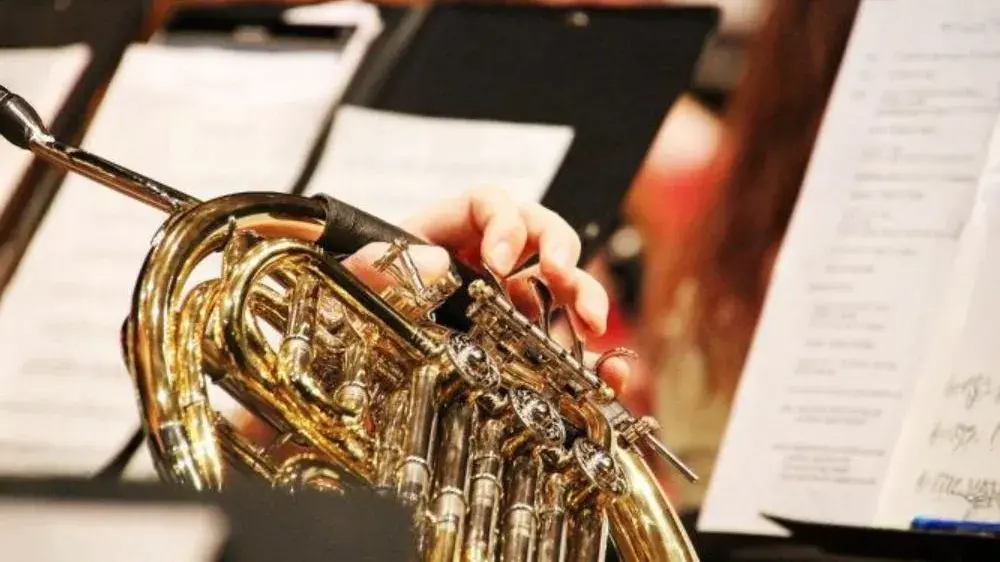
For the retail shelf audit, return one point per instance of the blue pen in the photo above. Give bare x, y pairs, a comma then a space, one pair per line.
955, 526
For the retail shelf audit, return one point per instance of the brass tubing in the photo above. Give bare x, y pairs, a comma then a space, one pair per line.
485, 492
295, 356
519, 523
551, 517
643, 523
352, 394
181, 244
356, 295
234, 322
119, 178
341, 282
193, 398
393, 432
450, 466
241, 454
587, 537
308, 470
414, 479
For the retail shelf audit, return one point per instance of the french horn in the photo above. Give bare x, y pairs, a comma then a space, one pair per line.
502, 441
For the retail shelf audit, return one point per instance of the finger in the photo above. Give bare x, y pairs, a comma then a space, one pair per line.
431, 261
522, 296
614, 371
484, 224
556, 243
582, 294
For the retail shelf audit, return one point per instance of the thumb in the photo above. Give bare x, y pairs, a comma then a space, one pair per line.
432, 262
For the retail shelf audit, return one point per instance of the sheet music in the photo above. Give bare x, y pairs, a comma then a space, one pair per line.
948, 460
362, 17
392, 165
206, 120
101, 532
46, 76
863, 270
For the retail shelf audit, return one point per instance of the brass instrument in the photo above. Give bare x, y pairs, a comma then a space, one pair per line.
505, 444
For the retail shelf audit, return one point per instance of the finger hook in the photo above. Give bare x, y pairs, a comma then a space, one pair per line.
623, 352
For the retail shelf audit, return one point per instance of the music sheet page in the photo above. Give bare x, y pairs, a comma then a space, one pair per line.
206, 120
392, 165
861, 276
46, 76
947, 463
53, 531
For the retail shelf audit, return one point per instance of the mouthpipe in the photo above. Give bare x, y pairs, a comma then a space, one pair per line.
347, 229
22, 127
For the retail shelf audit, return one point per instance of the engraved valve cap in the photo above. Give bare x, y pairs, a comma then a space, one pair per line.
599, 467
538, 415
473, 363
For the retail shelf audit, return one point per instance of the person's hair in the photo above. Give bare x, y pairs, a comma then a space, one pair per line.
771, 123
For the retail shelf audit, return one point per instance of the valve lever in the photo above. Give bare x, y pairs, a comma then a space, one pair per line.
644, 429
398, 263
670, 457
577, 343
622, 352
495, 281
545, 304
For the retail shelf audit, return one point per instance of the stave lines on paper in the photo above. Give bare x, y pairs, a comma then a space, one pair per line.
208, 120
393, 165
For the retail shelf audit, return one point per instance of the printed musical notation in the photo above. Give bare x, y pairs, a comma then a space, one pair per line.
391, 164
67, 403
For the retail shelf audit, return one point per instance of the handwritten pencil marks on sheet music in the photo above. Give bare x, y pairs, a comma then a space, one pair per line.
972, 412
972, 390
979, 497
963, 448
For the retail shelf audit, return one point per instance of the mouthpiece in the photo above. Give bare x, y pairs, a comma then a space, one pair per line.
19, 122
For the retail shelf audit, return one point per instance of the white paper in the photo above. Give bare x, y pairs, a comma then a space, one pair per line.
861, 277
393, 165
947, 463
207, 120
44, 77
90, 532
361, 15
366, 26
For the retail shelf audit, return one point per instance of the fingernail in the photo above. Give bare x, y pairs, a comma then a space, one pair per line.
431, 261
593, 316
502, 257
560, 257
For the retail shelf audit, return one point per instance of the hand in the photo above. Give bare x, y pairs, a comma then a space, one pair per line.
487, 226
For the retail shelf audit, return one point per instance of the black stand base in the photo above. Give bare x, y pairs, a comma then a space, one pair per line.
261, 525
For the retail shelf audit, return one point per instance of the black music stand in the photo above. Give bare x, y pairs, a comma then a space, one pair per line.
611, 74
863, 543
261, 525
